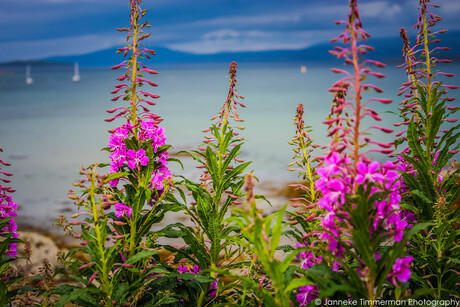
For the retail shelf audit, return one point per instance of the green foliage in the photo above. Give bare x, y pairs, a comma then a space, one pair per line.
8, 275
261, 237
432, 187
209, 243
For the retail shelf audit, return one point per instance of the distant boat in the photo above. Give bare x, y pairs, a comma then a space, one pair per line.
29, 80
76, 76
303, 69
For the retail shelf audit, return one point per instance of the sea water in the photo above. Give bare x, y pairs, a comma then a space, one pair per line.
50, 128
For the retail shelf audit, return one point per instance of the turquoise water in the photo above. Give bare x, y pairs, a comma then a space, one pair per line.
49, 129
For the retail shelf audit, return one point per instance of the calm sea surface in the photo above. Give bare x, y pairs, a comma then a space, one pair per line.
49, 129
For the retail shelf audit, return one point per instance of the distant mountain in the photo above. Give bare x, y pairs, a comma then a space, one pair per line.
387, 49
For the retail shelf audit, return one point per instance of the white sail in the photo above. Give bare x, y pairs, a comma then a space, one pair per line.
76, 76
29, 79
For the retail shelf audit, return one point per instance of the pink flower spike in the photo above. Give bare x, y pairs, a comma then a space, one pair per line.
377, 75
147, 81
375, 88
149, 95
118, 223
376, 63
383, 129
92, 278
119, 65
150, 71
381, 100
86, 265
148, 102
122, 209
113, 110
117, 97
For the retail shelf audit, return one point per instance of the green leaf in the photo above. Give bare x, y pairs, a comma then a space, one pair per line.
424, 205
364, 248
277, 230
140, 256
233, 153
213, 167
177, 161
424, 178
80, 294
414, 145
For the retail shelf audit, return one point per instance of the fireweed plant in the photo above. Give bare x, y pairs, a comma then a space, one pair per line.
305, 165
209, 241
119, 208
429, 143
363, 233
8, 236
268, 281
367, 229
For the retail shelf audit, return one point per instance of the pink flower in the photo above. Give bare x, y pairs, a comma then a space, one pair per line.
195, 270
307, 294
118, 157
182, 269
328, 223
368, 172
401, 270
148, 129
213, 287
400, 226
157, 181
308, 258
136, 158
122, 209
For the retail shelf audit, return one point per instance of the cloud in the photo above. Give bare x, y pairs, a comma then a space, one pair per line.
380, 9
452, 7
230, 40
250, 20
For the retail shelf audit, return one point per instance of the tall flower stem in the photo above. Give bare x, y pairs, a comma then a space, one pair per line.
134, 16
100, 237
309, 171
427, 60
354, 51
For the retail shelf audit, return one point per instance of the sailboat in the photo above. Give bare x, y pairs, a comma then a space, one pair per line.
76, 76
303, 69
29, 80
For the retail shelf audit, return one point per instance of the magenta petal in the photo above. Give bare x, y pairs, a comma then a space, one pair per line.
145, 161
140, 153
373, 166
131, 164
131, 154
404, 275
361, 167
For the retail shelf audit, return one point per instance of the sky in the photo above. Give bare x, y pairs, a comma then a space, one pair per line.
37, 29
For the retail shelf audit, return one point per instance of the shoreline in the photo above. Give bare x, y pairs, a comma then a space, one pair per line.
277, 193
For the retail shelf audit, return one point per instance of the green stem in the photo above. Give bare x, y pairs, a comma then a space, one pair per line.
100, 240
429, 148
370, 291
427, 60
309, 171
354, 50
134, 72
132, 241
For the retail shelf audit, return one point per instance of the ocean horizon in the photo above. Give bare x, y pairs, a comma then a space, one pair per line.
52, 127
